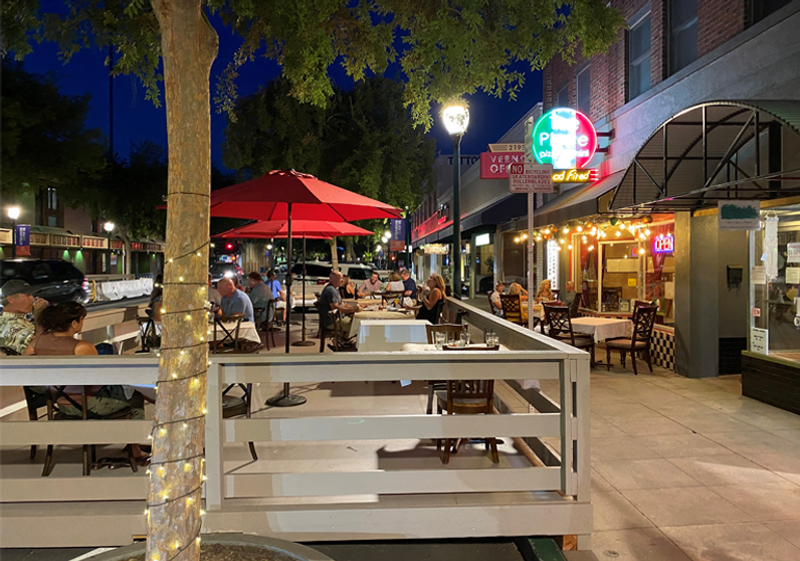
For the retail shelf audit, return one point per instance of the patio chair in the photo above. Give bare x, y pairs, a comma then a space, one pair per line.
234, 406
342, 342
466, 397
230, 336
434, 385
392, 298
576, 304
512, 308
325, 332
558, 318
268, 326
644, 318
147, 332
33, 400
52, 395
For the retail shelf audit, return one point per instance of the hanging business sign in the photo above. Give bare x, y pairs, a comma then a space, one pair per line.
565, 138
576, 176
398, 240
739, 215
664, 243
23, 240
435, 249
494, 165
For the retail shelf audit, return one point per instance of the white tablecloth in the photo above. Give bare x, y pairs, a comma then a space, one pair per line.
390, 334
247, 331
379, 314
602, 328
427, 348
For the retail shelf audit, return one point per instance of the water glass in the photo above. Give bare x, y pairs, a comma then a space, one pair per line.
492, 340
464, 342
439, 340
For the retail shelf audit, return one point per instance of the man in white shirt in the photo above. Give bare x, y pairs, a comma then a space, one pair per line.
495, 298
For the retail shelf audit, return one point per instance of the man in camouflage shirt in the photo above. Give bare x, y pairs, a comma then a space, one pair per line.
16, 322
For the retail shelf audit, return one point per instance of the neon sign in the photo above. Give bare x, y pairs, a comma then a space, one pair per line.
565, 138
664, 243
576, 176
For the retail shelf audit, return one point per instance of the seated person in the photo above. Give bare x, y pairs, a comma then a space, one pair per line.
495, 297
516, 290
234, 301
281, 304
430, 297
570, 294
347, 290
16, 323
409, 285
213, 294
277, 290
59, 325
545, 292
371, 286
395, 284
330, 299
260, 295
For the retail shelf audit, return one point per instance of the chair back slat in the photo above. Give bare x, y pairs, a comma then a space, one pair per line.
512, 308
644, 317
470, 389
392, 298
449, 328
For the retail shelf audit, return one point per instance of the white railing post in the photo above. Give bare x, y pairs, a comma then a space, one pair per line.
568, 375
215, 473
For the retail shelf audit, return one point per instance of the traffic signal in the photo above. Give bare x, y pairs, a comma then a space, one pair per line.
230, 247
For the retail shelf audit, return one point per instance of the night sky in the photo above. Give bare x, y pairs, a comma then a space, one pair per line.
136, 119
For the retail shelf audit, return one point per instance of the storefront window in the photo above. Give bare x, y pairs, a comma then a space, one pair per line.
620, 274
774, 306
660, 272
586, 275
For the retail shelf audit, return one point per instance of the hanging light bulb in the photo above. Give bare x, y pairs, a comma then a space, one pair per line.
621, 225
561, 241
591, 247
641, 251
569, 246
619, 233
579, 228
566, 229
647, 232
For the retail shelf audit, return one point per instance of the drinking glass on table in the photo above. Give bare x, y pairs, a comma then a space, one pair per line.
464, 339
439, 340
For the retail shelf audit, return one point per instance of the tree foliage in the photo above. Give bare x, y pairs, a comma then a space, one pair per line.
45, 140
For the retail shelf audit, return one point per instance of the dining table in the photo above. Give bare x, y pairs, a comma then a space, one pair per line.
385, 314
389, 335
247, 331
602, 328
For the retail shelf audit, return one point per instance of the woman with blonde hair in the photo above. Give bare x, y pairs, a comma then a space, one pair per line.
545, 292
395, 283
431, 299
517, 290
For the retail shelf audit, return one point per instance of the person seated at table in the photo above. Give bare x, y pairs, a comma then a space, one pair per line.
516, 290
260, 295
234, 301
330, 299
495, 297
348, 289
59, 325
213, 294
238, 284
408, 284
156, 298
371, 286
17, 326
570, 294
285, 292
429, 299
395, 283
278, 293
545, 292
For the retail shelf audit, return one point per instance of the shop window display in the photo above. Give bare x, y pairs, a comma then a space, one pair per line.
660, 271
620, 275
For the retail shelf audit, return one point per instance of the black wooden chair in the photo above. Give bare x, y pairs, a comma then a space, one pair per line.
576, 304
450, 329
230, 336
392, 298
235, 406
512, 308
558, 318
325, 332
466, 397
148, 334
644, 317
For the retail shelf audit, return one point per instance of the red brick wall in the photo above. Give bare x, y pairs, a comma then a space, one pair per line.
718, 21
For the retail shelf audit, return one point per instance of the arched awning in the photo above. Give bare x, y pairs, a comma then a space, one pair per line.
708, 153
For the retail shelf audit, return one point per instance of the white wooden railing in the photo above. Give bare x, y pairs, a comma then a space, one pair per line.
543, 490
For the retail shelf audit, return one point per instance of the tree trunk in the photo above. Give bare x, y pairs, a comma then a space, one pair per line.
334, 255
189, 45
349, 250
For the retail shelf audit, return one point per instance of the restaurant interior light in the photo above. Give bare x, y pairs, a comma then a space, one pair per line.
456, 117
13, 212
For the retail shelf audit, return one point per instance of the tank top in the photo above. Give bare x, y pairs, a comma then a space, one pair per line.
48, 344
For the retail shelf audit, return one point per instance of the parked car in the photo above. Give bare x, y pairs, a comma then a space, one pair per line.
220, 270
52, 279
318, 273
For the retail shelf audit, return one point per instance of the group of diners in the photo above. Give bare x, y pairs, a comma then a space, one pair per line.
425, 300
544, 294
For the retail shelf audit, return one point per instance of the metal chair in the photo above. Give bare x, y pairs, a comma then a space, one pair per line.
325, 332
147, 332
229, 335
234, 406
392, 298
644, 317
575, 306
560, 323
466, 397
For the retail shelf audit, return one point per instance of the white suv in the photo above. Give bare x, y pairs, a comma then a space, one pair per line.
318, 273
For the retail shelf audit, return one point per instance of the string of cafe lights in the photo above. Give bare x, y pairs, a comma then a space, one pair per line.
638, 228
162, 429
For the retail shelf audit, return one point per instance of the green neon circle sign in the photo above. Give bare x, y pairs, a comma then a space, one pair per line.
565, 138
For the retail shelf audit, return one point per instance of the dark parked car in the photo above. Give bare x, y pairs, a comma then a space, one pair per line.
52, 279
221, 270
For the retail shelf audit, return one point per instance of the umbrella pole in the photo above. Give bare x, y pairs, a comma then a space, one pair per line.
286, 399
303, 342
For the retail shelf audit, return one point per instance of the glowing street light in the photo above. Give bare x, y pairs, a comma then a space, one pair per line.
455, 116
109, 227
13, 212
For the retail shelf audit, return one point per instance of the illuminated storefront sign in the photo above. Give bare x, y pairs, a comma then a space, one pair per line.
565, 138
576, 176
482, 239
494, 165
664, 243
435, 249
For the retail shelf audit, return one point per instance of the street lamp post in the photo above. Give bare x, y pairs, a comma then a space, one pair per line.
109, 227
456, 118
13, 214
